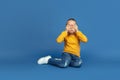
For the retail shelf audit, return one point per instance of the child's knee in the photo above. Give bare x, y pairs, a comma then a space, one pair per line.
76, 64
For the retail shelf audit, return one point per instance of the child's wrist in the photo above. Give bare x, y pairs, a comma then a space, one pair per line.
65, 32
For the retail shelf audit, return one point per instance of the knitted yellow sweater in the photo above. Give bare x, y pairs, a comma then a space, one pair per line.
72, 42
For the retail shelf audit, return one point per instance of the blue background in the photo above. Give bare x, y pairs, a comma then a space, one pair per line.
29, 28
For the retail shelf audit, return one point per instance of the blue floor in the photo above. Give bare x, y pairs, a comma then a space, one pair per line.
46, 72
95, 67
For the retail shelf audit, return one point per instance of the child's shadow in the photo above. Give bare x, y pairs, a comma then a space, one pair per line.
101, 59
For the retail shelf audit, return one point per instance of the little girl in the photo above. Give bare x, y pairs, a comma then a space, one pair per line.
71, 54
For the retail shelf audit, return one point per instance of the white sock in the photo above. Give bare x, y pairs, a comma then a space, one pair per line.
44, 60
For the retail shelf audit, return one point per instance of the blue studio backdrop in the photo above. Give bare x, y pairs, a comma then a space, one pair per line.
29, 28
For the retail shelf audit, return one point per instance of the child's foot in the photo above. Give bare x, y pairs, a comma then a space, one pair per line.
44, 60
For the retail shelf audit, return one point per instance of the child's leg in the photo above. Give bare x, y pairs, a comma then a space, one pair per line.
75, 61
62, 62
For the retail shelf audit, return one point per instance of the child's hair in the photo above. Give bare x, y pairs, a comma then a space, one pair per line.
70, 19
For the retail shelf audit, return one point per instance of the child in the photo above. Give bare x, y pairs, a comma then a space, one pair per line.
71, 54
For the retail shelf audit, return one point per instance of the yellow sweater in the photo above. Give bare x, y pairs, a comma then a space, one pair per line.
72, 42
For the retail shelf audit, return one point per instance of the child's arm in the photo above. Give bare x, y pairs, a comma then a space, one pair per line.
61, 37
81, 36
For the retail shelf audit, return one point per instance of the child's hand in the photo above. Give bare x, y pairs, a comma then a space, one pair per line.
67, 28
71, 29
76, 28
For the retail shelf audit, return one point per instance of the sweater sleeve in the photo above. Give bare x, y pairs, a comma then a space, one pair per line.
61, 37
81, 36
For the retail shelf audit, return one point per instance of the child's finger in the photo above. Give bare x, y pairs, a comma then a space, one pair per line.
66, 28
76, 28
